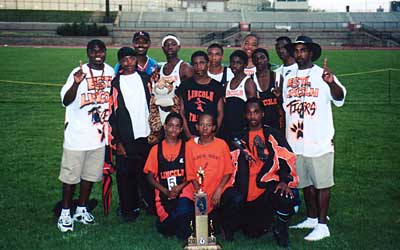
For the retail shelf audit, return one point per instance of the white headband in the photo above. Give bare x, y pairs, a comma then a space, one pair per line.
170, 37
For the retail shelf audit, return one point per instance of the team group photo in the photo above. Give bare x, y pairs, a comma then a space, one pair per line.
255, 137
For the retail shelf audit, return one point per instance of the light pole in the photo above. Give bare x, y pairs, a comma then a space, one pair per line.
107, 18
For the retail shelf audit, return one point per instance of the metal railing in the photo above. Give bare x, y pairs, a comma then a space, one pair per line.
300, 25
382, 25
179, 25
381, 34
228, 25
219, 35
257, 25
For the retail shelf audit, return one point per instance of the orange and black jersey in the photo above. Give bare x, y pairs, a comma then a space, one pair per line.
171, 172
167, 164
279, 166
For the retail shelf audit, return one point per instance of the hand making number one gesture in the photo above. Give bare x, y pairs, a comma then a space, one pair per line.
79, 76
327, 75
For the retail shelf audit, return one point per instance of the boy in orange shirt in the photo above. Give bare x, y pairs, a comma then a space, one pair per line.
265, 181
213, 156
165, 169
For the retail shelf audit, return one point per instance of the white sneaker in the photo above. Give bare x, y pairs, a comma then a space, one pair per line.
307, 223
65, 223
320, 231
84, 217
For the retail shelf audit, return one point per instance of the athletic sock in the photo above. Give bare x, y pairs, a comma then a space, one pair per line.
324, 226
80, 209
65, 212
314, 220
283, 217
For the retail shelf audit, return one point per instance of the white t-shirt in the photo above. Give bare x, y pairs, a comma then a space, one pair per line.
218, 77
132, 90
286, 70
86, 118
312, 134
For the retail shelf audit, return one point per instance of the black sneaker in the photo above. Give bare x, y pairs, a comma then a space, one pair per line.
128, 217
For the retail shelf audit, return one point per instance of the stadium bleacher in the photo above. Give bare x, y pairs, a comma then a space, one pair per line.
328, 28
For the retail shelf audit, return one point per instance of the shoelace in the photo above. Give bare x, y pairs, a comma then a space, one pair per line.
66, 220
88, 216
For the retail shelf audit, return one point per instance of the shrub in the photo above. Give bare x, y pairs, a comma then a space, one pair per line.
82, 29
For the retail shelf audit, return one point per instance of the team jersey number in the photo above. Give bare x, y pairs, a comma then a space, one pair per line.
171, 182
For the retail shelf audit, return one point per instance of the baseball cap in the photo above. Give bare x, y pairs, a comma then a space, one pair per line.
125, 51
140, 34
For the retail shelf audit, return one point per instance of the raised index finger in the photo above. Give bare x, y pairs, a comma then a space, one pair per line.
325, 62
80, 65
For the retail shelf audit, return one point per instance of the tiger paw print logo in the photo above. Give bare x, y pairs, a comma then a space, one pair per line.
298, 129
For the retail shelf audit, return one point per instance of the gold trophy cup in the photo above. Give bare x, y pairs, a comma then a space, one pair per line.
201, 241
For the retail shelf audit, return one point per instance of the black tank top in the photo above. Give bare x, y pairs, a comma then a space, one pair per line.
235, 104
170, 174
274, 115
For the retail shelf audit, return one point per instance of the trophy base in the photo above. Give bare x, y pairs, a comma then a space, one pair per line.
203, 247
211, 245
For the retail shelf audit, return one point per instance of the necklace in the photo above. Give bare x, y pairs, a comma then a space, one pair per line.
97, 82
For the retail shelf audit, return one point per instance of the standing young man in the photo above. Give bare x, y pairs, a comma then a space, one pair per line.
265, 80
286, 55
238, 90
130, 128
266, 179
216, 70
85, 96
141, 43
175, 70
200, 94
308, 93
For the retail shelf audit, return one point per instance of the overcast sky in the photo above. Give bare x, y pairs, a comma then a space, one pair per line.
355, 5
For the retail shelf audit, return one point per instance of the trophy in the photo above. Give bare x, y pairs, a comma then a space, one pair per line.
201, 240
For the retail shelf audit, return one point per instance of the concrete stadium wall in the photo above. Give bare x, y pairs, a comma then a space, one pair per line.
323, 37
51, 41
37, 33
44, 34
187, 37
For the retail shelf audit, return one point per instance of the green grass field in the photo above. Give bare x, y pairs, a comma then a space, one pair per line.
365, 203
